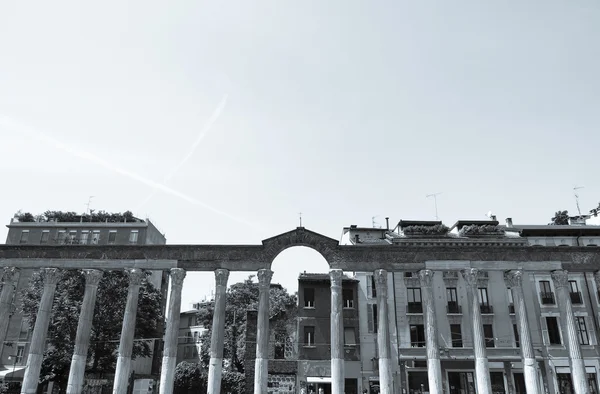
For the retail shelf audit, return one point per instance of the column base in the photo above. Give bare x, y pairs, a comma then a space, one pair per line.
434, 376
337, 376
76, 374
32, 373
482, 376
261, 375
532, 381
215, 369
386, 383
167, 374
122, 375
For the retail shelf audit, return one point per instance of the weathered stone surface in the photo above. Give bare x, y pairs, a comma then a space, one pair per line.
337, 333
261, 373
10, 277
217, 336
434, 366
386, 379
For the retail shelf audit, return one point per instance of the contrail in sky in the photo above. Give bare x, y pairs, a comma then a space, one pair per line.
207, 126
11, 124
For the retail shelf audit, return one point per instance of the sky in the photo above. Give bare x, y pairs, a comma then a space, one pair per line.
221, 121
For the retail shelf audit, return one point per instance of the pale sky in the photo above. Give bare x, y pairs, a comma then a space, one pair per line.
244, 113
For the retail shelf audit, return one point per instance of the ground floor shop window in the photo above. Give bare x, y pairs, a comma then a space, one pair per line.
350, 386
374, 387
565, 384
461, 382
418, 383
519, 379
497, 380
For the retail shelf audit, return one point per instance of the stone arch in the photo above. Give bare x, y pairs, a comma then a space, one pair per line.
325, 246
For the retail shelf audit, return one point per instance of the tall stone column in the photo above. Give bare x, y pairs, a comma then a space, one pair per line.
514, 280
434, 365
169, 361
561, 283
337, 332
128, 331
10, 275
386, 379
215, 367
261, 368
482, 370
50, 276
84, 329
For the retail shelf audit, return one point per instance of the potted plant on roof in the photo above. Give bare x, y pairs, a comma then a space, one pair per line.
420, 231
481, 231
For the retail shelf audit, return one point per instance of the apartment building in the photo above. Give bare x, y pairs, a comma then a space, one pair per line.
190, 334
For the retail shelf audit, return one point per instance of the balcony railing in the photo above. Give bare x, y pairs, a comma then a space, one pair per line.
453, 307
486, 309
414, 307
547, 298
511, 309
576, 297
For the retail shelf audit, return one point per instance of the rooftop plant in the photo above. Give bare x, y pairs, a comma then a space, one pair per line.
74, 217
437, 229
483, 229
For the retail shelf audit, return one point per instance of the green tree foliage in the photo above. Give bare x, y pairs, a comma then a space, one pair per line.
560, 218
192, 378
596, 210
74, 217
107, 322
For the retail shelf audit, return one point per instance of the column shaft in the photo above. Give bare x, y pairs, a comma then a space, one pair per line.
337, 333
532, 383
482, 370
6, 297
261, 368
434, 366
84, 330
561, 283
215, 367
167, 373
386, 379
50, 277
123, 368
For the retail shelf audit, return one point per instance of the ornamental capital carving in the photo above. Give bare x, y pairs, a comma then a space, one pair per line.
177, 276
50, 276
597, 279
380, 278
135, 276
336, 277
264, 277
426, 278
514, 278
470, 275
9, 274
92, 277
221, 276
560, 278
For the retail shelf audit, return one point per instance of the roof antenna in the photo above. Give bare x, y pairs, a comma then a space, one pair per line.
577, 197
300, 214
88, 204
373, 222
434, 195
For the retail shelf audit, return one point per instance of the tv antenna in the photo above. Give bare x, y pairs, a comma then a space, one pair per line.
373, 222
300, 215
577, 197
88, 204
434, 195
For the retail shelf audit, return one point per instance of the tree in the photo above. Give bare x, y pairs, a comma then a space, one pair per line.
106, 324
190, 377
596, 210
560, 218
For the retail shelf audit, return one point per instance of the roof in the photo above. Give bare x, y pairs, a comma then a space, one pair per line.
551, 229
406, 223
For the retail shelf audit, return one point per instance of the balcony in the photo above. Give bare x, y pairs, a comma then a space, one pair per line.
576, 297
511, 309
547, 298
414, 307
453, 307
486, 309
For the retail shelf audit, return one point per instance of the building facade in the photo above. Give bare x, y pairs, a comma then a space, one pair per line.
190, 337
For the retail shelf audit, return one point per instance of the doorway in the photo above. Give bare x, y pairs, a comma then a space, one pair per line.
461, 382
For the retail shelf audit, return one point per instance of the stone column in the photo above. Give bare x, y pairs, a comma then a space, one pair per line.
6, 298
218, 330
514, 280
386, 379
434, 365
84, 329
37, 348
169, 361
482, 370
337, 333
561, 283
261, 368
128, 331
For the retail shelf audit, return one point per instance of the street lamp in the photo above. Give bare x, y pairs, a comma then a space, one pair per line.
15, 358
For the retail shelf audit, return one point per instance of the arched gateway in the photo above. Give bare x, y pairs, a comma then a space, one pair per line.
413, 255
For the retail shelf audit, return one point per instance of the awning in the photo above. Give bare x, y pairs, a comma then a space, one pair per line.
318, 379
8, 373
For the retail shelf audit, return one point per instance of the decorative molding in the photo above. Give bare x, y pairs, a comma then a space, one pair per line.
221, 276
426, 278
50, 276
92, 277
514, 278
381, 283
264, 277
560, 278
135, 276
336, 277
177, 276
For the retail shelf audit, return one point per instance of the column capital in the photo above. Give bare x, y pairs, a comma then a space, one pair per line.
135, 276
426, 278
92, 277
560, 278
514, 278
50, 276
221, 276
177, 275
470, 275
597, 279
9, 274
264, 277
336, 277
381, 282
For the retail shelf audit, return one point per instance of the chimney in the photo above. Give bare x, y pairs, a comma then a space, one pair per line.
356, 240
509, 222
493, 217
387, 224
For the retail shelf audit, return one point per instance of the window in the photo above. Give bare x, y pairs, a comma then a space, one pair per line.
456, 335
546, 294
553, 330
309, 297
45, 236
488, 334
452, 297
484, 302
516, 334
190, 321
417, 335
371, 290
83, 238
62, 235
348, 296
414, 300
196, 336
279, 348
20, 353
582, 330
372, 317
133, 237
349, 336
112, 237
72, 237
189, 337
95, 237
575, 293
309, 336
24, 237
511, 302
